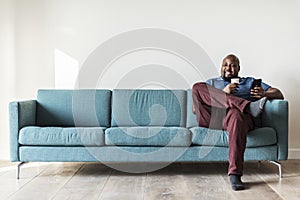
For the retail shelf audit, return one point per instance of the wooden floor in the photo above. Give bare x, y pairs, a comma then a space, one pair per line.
177, 181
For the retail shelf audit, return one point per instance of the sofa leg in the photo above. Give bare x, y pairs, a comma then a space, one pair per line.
19, 168
278, 164
259, 164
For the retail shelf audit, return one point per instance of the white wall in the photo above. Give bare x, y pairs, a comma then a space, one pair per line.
7, 70
264, 34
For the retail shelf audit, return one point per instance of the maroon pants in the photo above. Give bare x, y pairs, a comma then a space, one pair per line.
216, 109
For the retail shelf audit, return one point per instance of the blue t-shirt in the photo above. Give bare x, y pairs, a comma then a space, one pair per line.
244, 86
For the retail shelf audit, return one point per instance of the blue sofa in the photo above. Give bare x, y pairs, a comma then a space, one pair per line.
132, 126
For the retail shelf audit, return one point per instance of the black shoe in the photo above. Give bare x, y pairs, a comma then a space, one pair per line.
236, 183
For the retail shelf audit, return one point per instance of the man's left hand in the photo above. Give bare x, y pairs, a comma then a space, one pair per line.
257, 92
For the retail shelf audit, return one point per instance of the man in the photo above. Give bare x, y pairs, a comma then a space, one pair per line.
220, 104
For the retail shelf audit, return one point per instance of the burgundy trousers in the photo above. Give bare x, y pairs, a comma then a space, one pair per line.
216, 109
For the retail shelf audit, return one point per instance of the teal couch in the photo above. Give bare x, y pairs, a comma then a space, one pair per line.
132, 126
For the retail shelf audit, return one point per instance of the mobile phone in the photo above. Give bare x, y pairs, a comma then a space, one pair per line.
256, 83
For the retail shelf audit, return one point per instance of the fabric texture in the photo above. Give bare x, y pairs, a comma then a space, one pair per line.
256, 138
139, 154
191, 120
148, 136
21, 114
149, 108
74, 108
276, 115
57, 136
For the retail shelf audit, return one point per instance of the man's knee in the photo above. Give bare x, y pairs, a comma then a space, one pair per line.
237, 117
234, 114
199, 86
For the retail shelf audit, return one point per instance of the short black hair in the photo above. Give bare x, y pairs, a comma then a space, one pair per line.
235, 58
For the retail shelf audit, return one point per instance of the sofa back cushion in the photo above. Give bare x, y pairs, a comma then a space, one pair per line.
148, 107
74, 108
191, 120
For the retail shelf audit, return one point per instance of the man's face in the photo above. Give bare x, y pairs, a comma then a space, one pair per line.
230, 68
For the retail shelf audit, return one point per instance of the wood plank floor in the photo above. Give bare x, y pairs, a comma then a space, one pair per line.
177, 181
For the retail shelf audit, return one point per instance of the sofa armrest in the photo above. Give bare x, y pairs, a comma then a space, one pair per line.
22, 113
275, 115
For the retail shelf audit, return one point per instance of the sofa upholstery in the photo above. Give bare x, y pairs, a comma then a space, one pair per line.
132, 126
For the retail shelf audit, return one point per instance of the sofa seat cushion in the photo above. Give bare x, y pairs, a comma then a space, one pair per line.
57, 136
148, 136
256, 138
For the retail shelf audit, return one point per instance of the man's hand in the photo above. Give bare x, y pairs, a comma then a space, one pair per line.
257, 92
231, 88
271, 93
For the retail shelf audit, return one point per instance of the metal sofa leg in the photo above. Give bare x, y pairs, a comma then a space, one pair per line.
259, 164
19, 168
278, 164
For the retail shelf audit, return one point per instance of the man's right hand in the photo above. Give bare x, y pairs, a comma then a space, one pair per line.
231, 88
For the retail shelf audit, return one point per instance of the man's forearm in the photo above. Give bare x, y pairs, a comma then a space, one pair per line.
274, 93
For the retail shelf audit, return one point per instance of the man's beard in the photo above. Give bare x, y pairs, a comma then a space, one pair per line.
227, 78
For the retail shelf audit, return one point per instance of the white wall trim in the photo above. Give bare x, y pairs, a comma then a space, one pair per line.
294, 153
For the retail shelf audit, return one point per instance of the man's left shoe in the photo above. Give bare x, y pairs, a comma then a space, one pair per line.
236, 183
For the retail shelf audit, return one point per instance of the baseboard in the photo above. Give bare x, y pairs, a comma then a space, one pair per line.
294, 153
